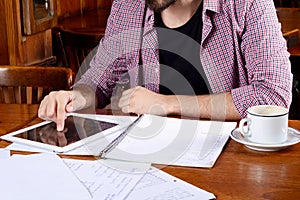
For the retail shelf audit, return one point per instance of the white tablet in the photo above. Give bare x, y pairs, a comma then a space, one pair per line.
78, 131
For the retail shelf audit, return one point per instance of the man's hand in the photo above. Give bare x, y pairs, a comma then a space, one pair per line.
139, 100
56, 105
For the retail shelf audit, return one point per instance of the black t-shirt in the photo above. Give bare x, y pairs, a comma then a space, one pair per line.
181, 72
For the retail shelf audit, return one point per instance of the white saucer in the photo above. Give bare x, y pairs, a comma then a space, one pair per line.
292, 138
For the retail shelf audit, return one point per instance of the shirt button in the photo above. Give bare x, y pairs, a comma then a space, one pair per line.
156, 70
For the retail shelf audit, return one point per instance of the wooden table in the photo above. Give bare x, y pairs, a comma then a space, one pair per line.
295, 50
15, 116
239, 173
93, 21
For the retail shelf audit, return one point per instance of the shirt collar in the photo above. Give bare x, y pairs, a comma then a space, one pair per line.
212, 5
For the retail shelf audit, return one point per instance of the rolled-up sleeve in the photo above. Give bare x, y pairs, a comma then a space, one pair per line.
107, 64
266, 60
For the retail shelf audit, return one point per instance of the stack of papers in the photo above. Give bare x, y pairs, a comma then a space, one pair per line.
46, 176
126, 171
160, 140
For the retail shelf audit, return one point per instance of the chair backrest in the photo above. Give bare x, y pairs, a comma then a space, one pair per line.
76, 48
29, 84
295, 105
292, 37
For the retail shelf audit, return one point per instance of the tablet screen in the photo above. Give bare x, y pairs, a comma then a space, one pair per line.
76, 128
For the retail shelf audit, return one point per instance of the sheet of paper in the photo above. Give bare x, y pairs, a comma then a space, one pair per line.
152, 185
108, 179
207, 146
39, 176
4, 153
173, 141
157, 184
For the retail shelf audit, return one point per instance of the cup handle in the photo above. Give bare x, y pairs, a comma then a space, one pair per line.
243, 130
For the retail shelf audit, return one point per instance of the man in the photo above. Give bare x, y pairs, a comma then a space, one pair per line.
243, 60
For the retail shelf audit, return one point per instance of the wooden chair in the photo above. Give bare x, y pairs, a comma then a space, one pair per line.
76, 49
287, 3
295, 106
292, 37
29, 84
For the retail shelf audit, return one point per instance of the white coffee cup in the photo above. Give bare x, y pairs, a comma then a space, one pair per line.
266, 124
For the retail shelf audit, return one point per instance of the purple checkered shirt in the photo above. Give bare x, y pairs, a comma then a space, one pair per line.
242, 51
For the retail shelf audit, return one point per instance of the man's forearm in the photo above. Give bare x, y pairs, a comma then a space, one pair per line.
215, 106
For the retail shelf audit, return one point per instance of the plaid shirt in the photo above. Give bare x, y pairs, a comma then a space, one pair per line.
242, 51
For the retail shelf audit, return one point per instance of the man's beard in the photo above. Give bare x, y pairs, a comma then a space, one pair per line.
157, 6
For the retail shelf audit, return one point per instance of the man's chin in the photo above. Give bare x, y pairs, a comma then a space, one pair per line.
159, 7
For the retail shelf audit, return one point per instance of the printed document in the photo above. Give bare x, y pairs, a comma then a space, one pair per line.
155, 184
107, 179
172, 141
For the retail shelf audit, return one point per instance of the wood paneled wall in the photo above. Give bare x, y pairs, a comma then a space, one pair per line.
17, 48
3, 34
